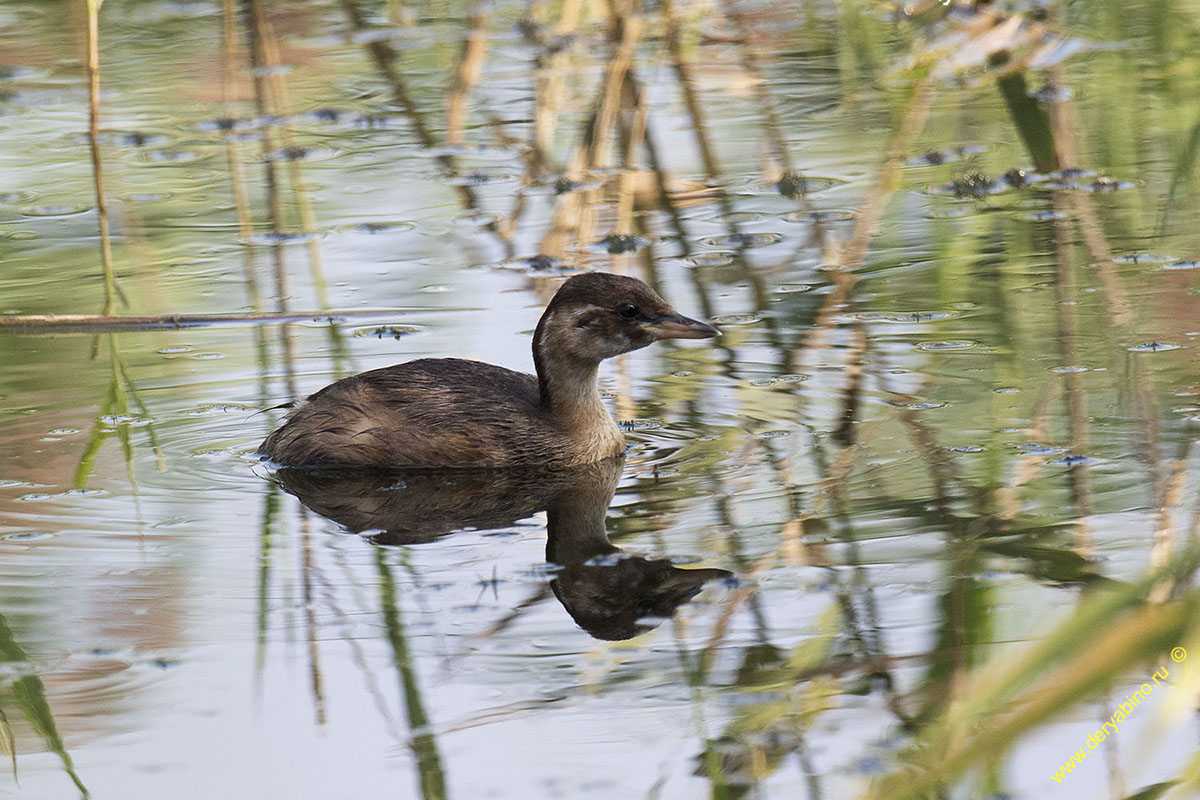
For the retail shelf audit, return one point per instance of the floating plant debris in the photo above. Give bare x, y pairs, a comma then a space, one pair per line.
972, 185
373, 228
1153, 347
899, 317
1071, 460
617, 243
543, 263
1072, 174
139, 138
374, 121
792, 185
479, 177
948, 346
1143, 258
1104, 185
222, 124
743, 240
1016, 177
821, 217
211, 409
948, 155
1037, 449
325, 115
298, 153
281, 238
169, 156
539, 263
396, 332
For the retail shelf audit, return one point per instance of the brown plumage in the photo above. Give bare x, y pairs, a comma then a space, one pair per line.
450, 412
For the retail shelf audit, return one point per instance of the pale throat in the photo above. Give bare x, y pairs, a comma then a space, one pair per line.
569, 390
568, 384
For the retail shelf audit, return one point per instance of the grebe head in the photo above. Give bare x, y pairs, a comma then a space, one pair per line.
598, 315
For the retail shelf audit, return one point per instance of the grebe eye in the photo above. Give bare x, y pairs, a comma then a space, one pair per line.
627, 311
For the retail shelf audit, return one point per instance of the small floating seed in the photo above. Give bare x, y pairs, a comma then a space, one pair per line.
543, 262
1016, 178
1104, 185
326, 115
973, 185
792, 185
223, 124
617, 243
373, 120
139, 139
933, 158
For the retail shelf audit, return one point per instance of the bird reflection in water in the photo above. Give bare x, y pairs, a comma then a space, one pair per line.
610, 594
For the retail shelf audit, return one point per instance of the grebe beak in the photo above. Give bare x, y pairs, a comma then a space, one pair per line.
677, 326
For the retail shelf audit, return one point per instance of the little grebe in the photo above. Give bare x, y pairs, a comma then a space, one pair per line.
450, 412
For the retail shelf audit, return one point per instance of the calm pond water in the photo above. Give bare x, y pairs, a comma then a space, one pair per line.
957, 386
